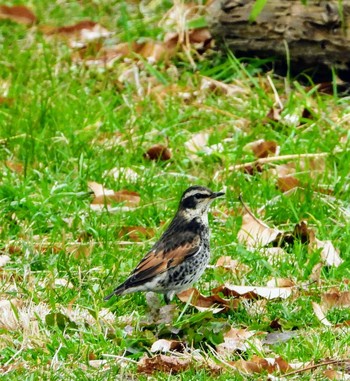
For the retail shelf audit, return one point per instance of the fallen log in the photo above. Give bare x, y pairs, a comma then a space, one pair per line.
300, 36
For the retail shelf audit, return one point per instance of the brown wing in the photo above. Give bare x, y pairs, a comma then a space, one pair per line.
159, 260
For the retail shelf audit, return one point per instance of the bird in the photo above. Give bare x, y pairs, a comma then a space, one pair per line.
180, 256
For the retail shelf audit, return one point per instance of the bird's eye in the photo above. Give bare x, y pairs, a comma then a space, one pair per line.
200, 196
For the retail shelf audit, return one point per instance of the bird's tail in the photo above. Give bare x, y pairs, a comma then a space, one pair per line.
118, 291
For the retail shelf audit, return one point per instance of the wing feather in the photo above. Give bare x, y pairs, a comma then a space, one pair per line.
159, 260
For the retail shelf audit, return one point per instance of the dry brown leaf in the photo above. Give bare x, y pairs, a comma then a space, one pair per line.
153, 51
105, 56
286, 183
105, 196
274, 115
6, 101
136, 233
254, 232
163, 345
99, 364
174, 90
163, 363
199, 36
158, 152
80, 250
319, 313
197, 143
15, 166
61, 282
259, 365
238, 339
263, 148
4, 259
316, 273
218, 87
335, 298
329, 254
79, 34
198, 39
18, 13
233, 265
254, 292
213, 303
336, 375
280, 282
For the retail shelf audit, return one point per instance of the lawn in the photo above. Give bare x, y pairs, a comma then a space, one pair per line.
80, 108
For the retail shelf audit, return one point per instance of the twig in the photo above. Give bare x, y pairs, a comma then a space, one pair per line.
311, 367
278, 158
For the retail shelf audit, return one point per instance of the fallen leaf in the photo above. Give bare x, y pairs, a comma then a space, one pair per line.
254, 232
99, 364
219, 87
136, 233
336, 375
163, 345
4, 259
18, 13
262, 148
306, 235
319, 313
316, 273
273, 115
15, 166
198, 39
254, 292
197, 143
259, 365
105, 196
213, 303
153, 51
162, 92
80, 250
279, 337
158, 152
61, 282
286, 183
79, 34
238, 339
280, 282
233, 265
335, 298
163, 363
329, 254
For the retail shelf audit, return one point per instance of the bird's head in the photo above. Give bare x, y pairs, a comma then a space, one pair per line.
196, 200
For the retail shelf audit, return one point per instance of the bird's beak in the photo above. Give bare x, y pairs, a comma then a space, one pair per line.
217, 194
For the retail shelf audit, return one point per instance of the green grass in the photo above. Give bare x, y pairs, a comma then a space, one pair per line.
61, 127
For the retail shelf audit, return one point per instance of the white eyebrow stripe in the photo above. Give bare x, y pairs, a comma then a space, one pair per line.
197, 191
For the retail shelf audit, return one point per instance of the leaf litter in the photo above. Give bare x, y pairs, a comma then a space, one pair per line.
255, 234
103, 198
153, 52
18, 13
